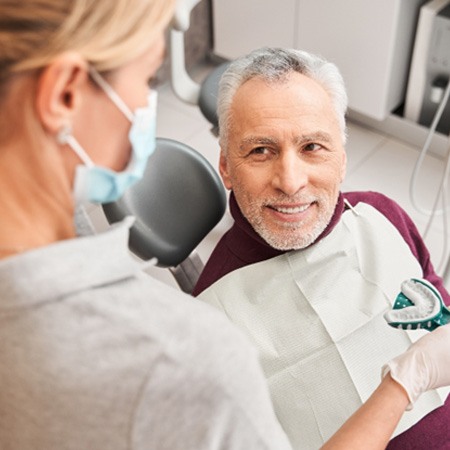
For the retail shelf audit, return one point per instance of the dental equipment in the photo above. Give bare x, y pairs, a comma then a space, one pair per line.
441, 195
418, 306
203, 94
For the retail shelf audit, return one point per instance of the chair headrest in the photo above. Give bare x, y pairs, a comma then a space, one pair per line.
177, 203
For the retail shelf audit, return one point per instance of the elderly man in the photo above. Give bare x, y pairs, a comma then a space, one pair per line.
307, 271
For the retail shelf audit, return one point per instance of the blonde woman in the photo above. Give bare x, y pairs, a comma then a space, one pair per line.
94, 353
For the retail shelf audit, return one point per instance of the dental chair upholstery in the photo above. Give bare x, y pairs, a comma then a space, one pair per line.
177, 203
207, 99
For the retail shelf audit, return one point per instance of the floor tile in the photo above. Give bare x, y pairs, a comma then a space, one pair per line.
361, 143
174, 123
207, 145
388, 169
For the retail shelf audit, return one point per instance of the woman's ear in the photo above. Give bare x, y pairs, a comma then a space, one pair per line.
59, 90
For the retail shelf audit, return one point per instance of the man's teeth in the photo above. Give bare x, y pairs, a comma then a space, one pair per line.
291, 210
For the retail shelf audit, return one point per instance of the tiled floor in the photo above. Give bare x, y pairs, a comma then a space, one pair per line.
375, 162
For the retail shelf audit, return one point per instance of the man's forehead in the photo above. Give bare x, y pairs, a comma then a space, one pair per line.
317, 136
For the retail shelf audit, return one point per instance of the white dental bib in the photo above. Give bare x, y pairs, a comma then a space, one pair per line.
316, 316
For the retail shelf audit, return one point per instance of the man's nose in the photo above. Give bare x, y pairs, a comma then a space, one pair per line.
290, 173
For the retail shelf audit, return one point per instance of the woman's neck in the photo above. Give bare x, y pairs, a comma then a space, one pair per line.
34, 200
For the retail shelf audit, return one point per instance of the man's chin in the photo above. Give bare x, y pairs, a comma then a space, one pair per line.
285, 241
289, 236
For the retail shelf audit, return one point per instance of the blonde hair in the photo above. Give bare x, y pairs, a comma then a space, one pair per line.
107, 33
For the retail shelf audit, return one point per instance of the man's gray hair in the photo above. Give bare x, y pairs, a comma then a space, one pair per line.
274, 65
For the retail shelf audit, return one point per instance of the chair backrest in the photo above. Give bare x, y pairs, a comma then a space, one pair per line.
176, 204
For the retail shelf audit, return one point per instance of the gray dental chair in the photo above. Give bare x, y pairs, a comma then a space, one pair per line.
177, 203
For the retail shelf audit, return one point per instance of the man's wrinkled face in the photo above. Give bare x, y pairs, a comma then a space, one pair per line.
285, 159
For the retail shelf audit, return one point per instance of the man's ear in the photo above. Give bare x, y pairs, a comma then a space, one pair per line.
344, 166
223, 169
58, 93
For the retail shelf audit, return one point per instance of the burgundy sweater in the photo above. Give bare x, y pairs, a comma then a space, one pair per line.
241, 246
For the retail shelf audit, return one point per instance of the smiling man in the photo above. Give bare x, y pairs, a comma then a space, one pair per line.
285, 159
306, 270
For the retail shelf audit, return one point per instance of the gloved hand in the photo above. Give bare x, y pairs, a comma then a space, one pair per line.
424, 366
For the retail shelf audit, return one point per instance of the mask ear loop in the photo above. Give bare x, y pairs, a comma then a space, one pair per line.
111, 93
65, 137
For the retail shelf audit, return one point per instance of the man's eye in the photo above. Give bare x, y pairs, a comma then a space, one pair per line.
312, 147
259, 151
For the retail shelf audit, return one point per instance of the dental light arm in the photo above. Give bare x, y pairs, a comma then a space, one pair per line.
183, 9
183, 85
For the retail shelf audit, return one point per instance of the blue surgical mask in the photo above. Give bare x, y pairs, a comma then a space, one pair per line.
102, 185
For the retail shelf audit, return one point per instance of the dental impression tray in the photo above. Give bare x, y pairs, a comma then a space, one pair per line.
419, 305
